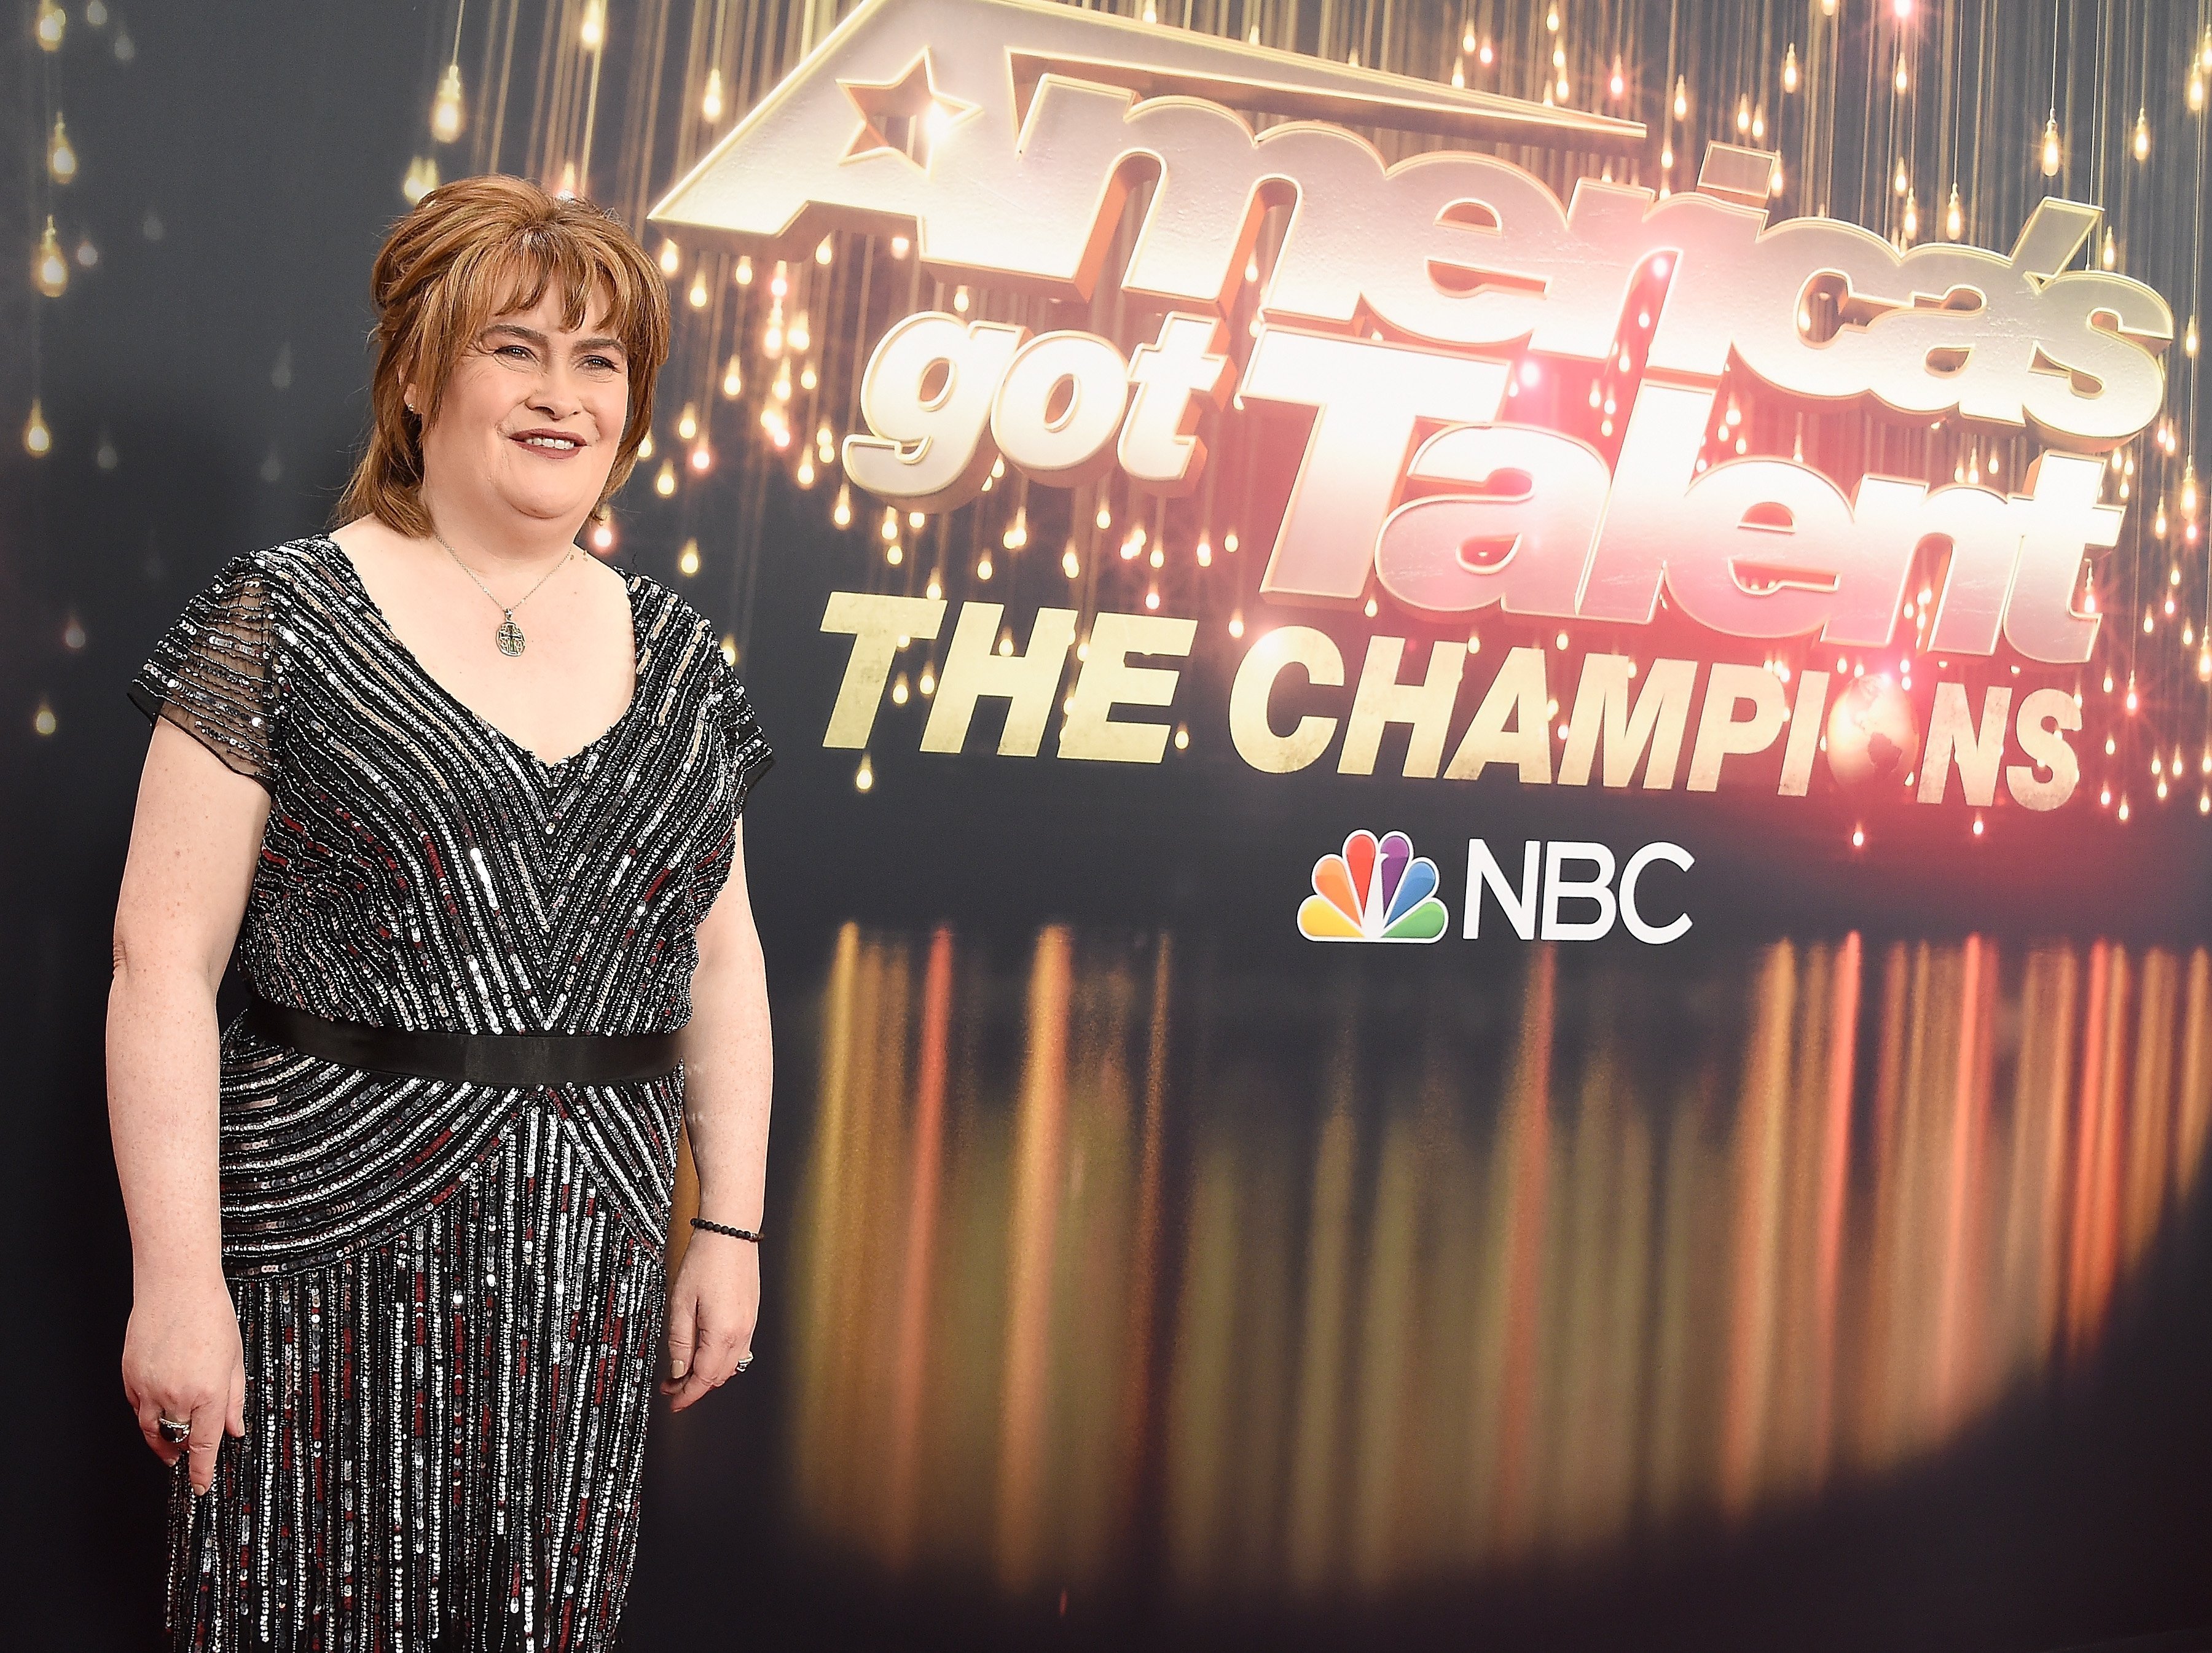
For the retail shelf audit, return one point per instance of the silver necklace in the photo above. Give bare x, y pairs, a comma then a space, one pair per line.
510, 635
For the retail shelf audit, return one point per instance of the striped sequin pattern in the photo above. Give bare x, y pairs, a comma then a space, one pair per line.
450, 1295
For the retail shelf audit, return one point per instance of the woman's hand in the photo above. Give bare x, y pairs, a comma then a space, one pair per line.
182, 1358
711, 1310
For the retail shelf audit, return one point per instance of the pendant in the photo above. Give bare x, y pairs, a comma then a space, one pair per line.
511, 639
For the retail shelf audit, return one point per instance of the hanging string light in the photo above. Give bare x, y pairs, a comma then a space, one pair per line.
592, 35
38, 440
1789, 68
2050, 152
710, 100
445, 111
2142, 133
51, 24
1681, 98
733, 381
422, 178
61, 158
1955, 217
49, 269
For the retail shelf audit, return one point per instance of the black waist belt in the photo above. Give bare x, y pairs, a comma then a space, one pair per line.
502, 1060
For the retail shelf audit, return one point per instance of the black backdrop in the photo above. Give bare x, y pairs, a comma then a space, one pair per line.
246, 159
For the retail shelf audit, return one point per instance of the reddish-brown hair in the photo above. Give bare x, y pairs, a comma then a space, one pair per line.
471, 251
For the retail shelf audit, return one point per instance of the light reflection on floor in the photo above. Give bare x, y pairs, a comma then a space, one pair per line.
1304, 1288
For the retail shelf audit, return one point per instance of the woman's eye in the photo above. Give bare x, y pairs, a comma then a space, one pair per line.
599, 365
519, 352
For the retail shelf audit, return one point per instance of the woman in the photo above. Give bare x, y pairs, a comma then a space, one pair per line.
397, 1232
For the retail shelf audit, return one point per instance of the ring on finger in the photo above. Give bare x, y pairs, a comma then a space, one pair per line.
175, 1431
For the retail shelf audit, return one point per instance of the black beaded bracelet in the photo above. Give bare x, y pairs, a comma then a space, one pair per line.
724, 1228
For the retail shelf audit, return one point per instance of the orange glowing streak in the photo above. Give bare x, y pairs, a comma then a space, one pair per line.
1528, 1145
820, 1447
909, 1363
2150, 1120
1756, 1263
1038, 1184
2195, 1111
1835, 1172
2087, 1274
1954, 1298
1144, 1252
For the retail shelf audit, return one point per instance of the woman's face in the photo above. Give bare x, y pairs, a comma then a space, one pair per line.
532, 417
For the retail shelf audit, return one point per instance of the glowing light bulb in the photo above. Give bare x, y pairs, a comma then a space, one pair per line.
1017, 531
1743, 114
900, 247
960, 300
800, 336
51, 25
744, 272
1667, 155
900, 693
842, 513
568, 190
2189, 337
1758, 123
1911, 215
703, 457
889, 530
698, 293
38, 440
672, 259
1105, 518
864, 778
824, 250
687, 424
2189, 487
1681, 98
645, 447
1901, 182
1236, 623
983, 566
664, 484
1467, 39
1619, 83
2143, 134
421, 180
2158, 519
446, 110
61, 157
2050, 152
1955, 217
2196, 89
1069, 564
781, 389
687, 560
1901, 80
1789, 68
592, 35
49, 269
1487, 55
1551, 20
710, 100
733, 380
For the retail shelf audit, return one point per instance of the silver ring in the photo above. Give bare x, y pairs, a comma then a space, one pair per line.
175, 1431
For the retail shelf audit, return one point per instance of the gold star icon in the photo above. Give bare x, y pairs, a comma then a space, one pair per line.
907, 116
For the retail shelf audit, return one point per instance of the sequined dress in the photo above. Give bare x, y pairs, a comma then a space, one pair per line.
451, 1296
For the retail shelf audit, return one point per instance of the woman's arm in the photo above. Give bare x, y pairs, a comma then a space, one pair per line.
193, 845
726, 1072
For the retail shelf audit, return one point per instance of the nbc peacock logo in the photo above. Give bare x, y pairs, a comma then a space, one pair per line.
1374, 891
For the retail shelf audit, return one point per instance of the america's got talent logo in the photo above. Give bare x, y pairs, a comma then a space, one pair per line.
1425, 315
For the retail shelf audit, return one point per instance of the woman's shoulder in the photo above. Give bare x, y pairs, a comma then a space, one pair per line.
671, 628
310, 563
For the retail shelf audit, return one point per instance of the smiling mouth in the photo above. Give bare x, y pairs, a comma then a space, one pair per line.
547, 442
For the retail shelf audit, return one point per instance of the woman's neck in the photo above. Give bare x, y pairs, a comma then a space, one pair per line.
496, 537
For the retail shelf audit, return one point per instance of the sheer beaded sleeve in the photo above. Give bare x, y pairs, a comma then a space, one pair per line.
213, 673
748, 755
